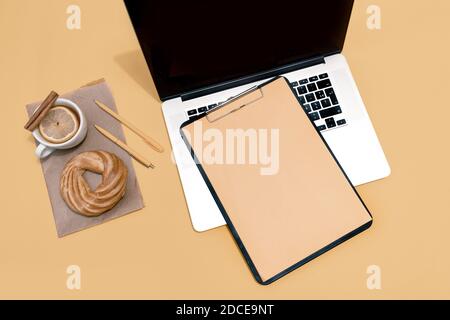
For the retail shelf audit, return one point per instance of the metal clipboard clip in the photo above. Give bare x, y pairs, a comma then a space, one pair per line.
235, 103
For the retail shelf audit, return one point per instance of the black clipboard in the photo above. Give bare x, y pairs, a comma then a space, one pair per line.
284, 220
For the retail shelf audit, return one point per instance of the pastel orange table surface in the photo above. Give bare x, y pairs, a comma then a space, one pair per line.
402, 72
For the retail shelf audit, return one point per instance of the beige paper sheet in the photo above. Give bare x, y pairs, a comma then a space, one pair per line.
67, 221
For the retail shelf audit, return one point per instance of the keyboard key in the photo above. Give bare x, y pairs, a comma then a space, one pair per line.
329, 92
330, 112
320, 95
322, 127
312, 87
324, 84
192, 112
316, 106
307, 108
212, 106
294, 84
302, 90
325, 103
341, 122
323, 76
330, 123
202, 109
310, 97
312, 79
301, 99
314, 116
304, 81
333, 99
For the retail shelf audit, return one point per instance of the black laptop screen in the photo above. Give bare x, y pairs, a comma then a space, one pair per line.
194, 44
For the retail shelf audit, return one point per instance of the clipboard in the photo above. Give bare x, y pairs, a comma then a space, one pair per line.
283, 220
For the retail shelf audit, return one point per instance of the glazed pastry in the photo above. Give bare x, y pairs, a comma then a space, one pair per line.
76, 192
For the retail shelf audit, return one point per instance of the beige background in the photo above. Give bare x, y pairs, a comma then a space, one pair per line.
403, 75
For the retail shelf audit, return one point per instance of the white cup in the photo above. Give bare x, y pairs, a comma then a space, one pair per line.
45, 148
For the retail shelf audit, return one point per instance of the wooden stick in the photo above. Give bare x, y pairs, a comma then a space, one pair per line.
93, 83
125, 147
152, 142
41, 111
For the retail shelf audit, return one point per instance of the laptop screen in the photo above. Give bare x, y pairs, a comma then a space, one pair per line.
190, 45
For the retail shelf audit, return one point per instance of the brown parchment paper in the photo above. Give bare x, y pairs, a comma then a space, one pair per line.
66, 220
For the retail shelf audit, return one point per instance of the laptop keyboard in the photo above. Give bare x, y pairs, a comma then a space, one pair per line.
317, 97
198, 111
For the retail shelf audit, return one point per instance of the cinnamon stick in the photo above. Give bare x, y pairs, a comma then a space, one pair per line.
41, 111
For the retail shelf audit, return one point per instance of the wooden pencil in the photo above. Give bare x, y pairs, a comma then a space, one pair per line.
149, 140
125, 147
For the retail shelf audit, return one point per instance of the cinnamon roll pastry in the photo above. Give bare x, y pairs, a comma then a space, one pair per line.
76, 192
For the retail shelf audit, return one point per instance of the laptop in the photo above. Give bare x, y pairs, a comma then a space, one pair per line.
201, 54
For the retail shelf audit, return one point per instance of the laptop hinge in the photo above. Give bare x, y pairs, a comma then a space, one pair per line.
252, 78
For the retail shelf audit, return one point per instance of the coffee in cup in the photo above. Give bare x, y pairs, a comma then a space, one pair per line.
63, 127
59, 125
